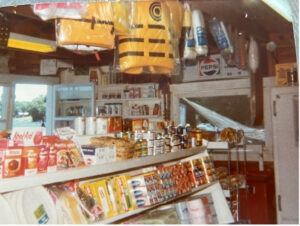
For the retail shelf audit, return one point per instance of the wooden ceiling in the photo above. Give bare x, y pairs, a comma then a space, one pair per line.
250, 16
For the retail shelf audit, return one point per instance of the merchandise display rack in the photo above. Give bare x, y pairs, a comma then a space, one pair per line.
22, 182
141, 210
231, 148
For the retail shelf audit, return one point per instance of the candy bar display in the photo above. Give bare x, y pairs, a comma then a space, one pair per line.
201, 171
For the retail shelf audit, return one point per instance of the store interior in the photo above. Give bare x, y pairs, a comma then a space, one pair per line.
149, 112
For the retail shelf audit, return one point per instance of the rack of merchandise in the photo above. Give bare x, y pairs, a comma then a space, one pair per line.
71, 101
16, 188
233, 193
130, 101
21, 182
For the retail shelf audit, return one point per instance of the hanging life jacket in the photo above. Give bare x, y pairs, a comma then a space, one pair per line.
149, 44
95, 29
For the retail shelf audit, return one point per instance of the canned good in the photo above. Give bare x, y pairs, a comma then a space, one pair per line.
179, 130
197, 134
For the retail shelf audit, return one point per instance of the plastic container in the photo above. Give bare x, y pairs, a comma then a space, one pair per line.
220, 35
35, 206
7, 216
199, 32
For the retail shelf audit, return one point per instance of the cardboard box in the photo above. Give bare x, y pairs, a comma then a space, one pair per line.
281, 71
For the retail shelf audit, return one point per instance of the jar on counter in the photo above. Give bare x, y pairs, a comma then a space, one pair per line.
196, 138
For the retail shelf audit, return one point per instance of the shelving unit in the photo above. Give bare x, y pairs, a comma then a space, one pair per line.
70, 101
127, 103
141, 210
230, 149
16, 183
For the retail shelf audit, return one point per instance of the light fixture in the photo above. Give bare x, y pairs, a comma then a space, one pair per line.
282, 7
25, 42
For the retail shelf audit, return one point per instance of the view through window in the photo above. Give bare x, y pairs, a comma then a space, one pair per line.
30, 105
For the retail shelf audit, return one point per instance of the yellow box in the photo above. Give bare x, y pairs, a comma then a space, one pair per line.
122, 194
281, 73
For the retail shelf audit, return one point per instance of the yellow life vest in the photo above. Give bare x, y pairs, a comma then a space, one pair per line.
122, 17
149, 43
95, 29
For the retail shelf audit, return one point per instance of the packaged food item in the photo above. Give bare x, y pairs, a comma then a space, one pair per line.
3, 147
87, 198
43, 159
74, 155
114, 124
139, 191
94, 155
281, 71
105, 197
27, 136
140, 124
30, 157
62, 159
12, 162
124, 192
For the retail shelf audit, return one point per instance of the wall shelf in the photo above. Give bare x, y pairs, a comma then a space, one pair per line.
140, 210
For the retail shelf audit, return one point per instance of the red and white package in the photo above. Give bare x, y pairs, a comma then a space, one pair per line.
30, 157
51, 150
43, 159
26, 136
12, 162
71, 10
3, 147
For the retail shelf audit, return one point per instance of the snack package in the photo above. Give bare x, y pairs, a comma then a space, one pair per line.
105, 197
93, 32
149, 47
139, 191
114, 124
43, 159
74, 155
71, 10
3, 147
122, 194
30, 157
12, 162
27, 136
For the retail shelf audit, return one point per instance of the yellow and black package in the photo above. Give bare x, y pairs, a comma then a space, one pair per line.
95, 31
149, 46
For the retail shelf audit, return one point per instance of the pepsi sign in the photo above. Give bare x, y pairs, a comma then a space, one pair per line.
209, 67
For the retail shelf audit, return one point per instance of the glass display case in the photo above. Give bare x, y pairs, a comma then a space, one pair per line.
71, 101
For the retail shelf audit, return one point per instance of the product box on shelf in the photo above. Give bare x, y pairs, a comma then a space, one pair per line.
30, 156
12, 162
114, 125
105, 197
3, 147
94, 155
25, 136
282, 76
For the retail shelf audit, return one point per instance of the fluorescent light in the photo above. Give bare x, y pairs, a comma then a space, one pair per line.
25, 42
282, 7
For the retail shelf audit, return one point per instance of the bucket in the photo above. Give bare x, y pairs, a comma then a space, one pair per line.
35, 206
7, 216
